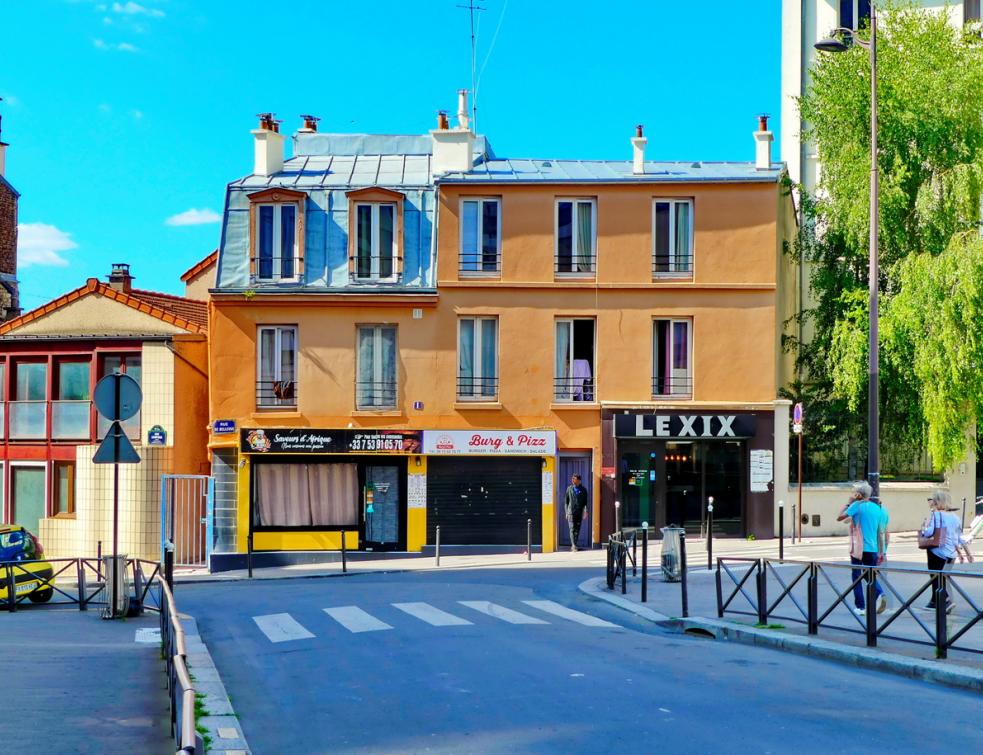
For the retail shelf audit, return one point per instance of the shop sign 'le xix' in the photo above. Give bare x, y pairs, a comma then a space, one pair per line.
684, 425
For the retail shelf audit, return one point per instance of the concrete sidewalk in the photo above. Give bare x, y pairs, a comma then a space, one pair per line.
903, 550
74, 683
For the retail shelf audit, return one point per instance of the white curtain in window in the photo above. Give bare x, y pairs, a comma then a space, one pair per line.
682, 236
563, 373
489, 366
466, 358
333, 494
282, 495
388, 373
366, 360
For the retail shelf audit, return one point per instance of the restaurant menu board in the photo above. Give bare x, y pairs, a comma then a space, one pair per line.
304, 440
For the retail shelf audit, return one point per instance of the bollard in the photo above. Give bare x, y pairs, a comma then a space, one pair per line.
941, 630
11, 590
249, 554
437, 548
617, 516
645, 562
634, 554
781, 530
80, 576
529, 539
710, 533
169, 565
99, 561
962, 522
793, 524
344, 554
624, 567
682, 573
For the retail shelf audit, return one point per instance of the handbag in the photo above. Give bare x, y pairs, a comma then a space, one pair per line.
935, 539
856, 542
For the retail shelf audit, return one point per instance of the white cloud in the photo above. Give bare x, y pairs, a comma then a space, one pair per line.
194, 217
135, 9
101, 44
42, 244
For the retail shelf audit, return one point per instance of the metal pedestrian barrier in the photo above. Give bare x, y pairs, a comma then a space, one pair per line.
810, 592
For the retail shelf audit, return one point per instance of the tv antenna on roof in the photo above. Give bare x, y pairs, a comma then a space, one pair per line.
471, 7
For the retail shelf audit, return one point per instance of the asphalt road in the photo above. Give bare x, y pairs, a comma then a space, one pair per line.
392, 668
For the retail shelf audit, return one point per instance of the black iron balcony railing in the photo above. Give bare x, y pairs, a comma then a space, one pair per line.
477, 388
387, 269
672, 387
672, 265
578, 264
574, 389
271, 394
478, 263
275, 269
380, 394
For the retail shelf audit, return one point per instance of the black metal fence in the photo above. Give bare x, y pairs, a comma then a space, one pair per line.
179, 686
75, 581
809, 592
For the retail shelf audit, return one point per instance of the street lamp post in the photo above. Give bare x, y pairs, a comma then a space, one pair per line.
836, 44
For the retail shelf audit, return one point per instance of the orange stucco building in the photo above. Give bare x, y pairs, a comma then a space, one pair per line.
413, 332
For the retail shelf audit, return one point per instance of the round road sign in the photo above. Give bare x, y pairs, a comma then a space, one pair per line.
117, 397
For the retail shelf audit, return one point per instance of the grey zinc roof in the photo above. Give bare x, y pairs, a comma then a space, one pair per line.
610, 171
345, 172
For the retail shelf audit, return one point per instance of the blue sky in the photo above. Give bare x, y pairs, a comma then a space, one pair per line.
126, 120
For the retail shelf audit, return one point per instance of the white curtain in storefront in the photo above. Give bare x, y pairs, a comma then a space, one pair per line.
305, 495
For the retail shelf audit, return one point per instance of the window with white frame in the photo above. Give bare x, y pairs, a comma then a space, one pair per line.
575, 236
276, 236
375, 241
854, 13
477, 358
574, 365
672, 374
375, 385
276, 368
481, 235
672, 233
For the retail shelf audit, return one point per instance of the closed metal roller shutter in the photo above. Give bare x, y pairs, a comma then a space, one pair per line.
484, 501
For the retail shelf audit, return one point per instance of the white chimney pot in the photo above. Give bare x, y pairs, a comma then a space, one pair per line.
462, 109
3, 158
762, 149
638, 157
269, 151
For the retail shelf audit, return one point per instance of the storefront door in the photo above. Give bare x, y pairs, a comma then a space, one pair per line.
381, 506
569, 466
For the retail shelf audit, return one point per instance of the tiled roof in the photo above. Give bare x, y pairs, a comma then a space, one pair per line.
196, 268
192, 310
610, 171
187, 314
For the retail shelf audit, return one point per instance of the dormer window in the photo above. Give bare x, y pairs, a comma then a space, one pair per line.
276, 239
375, 234
375, 241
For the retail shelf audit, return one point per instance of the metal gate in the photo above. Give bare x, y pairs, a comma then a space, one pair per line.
186, 514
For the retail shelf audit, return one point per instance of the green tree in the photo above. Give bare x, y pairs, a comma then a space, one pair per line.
930, 160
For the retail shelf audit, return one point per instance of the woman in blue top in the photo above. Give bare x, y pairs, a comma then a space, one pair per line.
941, 556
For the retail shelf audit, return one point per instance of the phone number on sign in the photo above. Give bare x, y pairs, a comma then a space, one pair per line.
376, 443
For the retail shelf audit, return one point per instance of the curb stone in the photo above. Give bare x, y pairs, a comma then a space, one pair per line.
869, 658
221, 722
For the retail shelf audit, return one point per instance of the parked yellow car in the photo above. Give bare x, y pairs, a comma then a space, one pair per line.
18, 545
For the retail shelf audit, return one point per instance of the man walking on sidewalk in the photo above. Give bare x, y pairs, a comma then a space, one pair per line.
575, 507
872, 519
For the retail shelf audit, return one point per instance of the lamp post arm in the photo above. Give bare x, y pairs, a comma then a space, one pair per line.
873, 455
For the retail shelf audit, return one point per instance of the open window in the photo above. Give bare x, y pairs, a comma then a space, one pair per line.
672, 374
276, 373
574, 375
276, 237
576, 235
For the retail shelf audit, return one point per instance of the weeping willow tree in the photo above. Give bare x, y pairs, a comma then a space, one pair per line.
930, 160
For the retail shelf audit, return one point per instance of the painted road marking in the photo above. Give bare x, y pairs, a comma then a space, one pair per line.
501, 612
426, 612
148, 636
281, 627
354, 619
563, 612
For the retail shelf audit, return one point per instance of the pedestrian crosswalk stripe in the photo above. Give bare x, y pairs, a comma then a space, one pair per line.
563, 612
281, 627
354, 619
501, 612
426, 612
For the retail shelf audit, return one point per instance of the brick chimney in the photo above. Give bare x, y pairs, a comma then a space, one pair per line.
9, 295
120, 278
